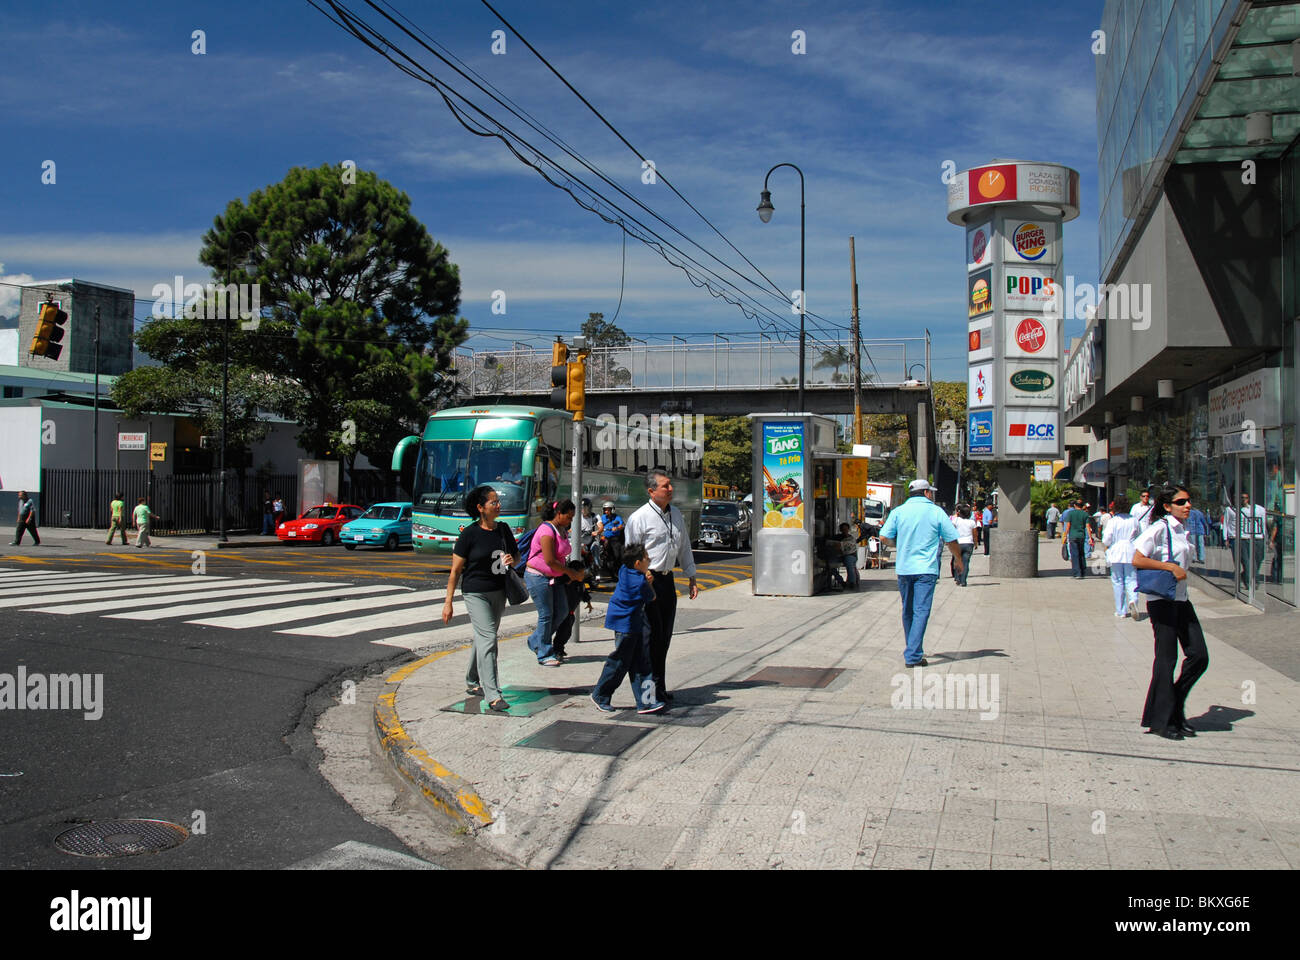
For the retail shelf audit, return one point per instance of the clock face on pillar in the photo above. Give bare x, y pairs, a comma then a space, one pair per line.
990, 184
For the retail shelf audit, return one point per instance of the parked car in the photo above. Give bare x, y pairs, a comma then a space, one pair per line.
383, 524
320, 523
725, 523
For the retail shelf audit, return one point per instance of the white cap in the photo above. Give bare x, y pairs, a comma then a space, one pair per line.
916, 486
607, 503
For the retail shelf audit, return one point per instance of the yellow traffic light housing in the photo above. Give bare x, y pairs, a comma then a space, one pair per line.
559, 375
48, 337
576, 399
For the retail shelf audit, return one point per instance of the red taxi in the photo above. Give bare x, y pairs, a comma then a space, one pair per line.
319, 524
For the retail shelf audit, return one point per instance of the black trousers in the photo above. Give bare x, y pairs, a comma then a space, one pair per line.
1174, 624
662, 614
28, 524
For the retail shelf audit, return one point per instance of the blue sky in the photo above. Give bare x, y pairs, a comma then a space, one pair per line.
151, 141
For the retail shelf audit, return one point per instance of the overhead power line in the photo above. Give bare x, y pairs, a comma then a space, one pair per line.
701, 276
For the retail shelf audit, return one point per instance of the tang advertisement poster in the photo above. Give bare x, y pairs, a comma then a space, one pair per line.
783, 475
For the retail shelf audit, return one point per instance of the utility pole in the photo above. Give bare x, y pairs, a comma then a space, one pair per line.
575, 528
94, 512
857, 348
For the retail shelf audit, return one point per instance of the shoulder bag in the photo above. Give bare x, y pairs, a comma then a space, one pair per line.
1160, 583
516, 592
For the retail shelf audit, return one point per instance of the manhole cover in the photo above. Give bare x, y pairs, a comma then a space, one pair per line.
120, 838
807, 677
605, 739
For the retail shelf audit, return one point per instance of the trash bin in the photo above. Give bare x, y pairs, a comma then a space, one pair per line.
67, 518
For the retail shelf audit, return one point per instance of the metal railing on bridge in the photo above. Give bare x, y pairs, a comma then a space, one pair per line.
728, 362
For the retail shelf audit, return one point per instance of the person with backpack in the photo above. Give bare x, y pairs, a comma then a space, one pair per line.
626, 617
26, 520
483, 553
545, 574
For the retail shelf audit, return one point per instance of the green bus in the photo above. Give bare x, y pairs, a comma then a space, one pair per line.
526, 455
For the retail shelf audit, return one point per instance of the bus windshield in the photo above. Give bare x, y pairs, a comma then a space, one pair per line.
449, 469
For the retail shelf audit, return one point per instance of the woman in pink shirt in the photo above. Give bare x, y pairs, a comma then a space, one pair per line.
545, 576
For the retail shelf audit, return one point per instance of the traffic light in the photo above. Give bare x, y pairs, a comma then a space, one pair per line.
576, 397
47, 340
559, 375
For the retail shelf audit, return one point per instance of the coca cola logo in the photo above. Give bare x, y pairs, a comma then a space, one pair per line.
1031, 336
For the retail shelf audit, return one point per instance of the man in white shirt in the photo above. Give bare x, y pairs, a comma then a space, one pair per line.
1141, 511
661, 529
1250, 523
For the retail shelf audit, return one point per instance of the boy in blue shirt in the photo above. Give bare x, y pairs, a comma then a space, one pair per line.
626, 617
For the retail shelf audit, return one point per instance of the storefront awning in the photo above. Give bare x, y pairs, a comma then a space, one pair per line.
1093, 473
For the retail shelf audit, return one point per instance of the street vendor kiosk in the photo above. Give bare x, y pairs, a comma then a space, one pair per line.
796, 473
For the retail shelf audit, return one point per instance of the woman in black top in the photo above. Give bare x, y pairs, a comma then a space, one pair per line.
483, 553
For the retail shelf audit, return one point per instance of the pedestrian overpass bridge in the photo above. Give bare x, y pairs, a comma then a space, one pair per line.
723, 376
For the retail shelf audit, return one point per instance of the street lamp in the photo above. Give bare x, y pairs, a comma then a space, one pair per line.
225, 375
765, 211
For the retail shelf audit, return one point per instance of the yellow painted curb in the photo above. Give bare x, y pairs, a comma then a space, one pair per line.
450, 794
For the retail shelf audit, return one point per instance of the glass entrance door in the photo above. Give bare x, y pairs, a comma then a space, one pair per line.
1250, 522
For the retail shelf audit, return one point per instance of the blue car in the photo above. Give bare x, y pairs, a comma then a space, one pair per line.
384, 524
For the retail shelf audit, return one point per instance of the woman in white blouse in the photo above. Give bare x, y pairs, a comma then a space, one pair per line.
1117, 536
1164, 545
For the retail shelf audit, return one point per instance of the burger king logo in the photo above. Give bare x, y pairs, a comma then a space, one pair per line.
1029, 241
1031, 335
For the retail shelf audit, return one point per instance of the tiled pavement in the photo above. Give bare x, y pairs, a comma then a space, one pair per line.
1059, 776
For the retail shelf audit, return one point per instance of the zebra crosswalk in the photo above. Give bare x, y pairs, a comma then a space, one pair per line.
322, 608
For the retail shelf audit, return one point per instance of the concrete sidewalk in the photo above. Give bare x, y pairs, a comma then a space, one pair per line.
1051, 771
83, 539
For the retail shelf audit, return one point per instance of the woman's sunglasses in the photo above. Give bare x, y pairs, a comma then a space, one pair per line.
1181, 501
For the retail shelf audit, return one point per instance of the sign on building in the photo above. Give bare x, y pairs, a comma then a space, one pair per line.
1013, 303
131, 441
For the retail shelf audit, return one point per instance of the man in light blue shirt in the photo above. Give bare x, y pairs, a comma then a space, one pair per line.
919, 528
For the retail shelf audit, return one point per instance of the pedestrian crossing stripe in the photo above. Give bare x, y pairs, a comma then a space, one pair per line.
259, 600
110, 591
320, 608
266, 618
258, 588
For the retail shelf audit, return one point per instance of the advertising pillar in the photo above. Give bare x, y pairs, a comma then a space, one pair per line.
1013, 214
784, 505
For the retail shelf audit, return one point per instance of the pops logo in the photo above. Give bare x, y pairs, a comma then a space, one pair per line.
1031, 335
1029, 241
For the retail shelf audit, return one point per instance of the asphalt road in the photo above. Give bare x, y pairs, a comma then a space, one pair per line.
203, 724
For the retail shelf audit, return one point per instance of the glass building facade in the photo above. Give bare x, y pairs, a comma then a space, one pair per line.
1199, 176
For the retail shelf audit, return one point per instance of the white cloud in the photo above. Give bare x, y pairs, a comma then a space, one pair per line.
11, 296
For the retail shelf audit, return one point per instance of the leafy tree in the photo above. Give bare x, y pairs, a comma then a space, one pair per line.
189, 379
834, 357
728, 451
605, 340
1042, 494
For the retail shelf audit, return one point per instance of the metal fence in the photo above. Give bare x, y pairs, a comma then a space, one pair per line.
186, 503
721, 363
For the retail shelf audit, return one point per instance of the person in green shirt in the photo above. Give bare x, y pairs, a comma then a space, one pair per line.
1076, 530
117, 510
143, 518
